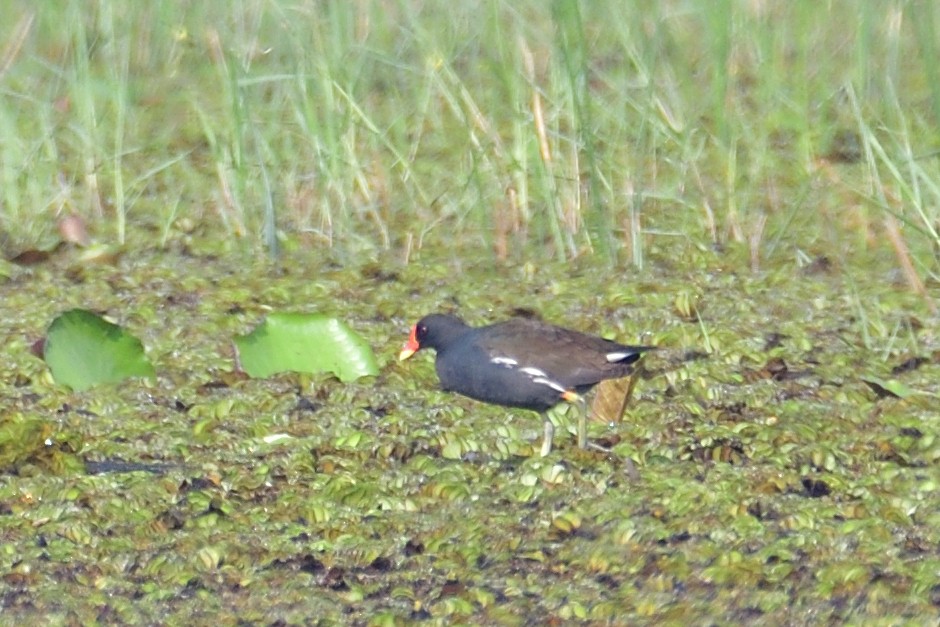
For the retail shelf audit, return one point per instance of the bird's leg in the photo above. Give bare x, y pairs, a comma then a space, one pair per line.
582, 422
547, 438
576, 399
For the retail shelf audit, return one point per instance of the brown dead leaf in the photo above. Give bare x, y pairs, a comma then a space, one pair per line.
612, 398
72, 229
30, 257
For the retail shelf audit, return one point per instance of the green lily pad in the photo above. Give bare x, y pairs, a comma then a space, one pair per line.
83, 349
309, 343
888, 387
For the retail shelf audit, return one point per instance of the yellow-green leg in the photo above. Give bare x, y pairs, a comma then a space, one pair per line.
548, 436
582, 422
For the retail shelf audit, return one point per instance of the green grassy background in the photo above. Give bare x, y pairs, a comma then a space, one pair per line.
751, 186
522, 128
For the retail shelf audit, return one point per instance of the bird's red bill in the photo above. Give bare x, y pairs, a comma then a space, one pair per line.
411, 346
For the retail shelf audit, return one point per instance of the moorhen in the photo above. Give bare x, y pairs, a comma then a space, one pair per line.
521, 363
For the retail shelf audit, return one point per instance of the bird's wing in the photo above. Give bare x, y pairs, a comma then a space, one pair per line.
569, 357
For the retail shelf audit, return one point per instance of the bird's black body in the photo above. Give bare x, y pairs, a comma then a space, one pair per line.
521, 362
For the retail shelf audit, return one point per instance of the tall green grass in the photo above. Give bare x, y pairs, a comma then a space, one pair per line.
503, 129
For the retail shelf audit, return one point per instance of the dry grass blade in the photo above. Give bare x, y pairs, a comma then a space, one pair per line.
12, 50
904, 258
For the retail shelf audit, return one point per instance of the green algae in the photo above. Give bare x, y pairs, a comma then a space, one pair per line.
735, 486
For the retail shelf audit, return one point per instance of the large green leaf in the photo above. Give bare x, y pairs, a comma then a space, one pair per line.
83, 349
305, 343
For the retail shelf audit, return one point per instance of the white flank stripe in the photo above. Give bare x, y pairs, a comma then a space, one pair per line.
533, 372
550, 384
537, 375
615, 357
